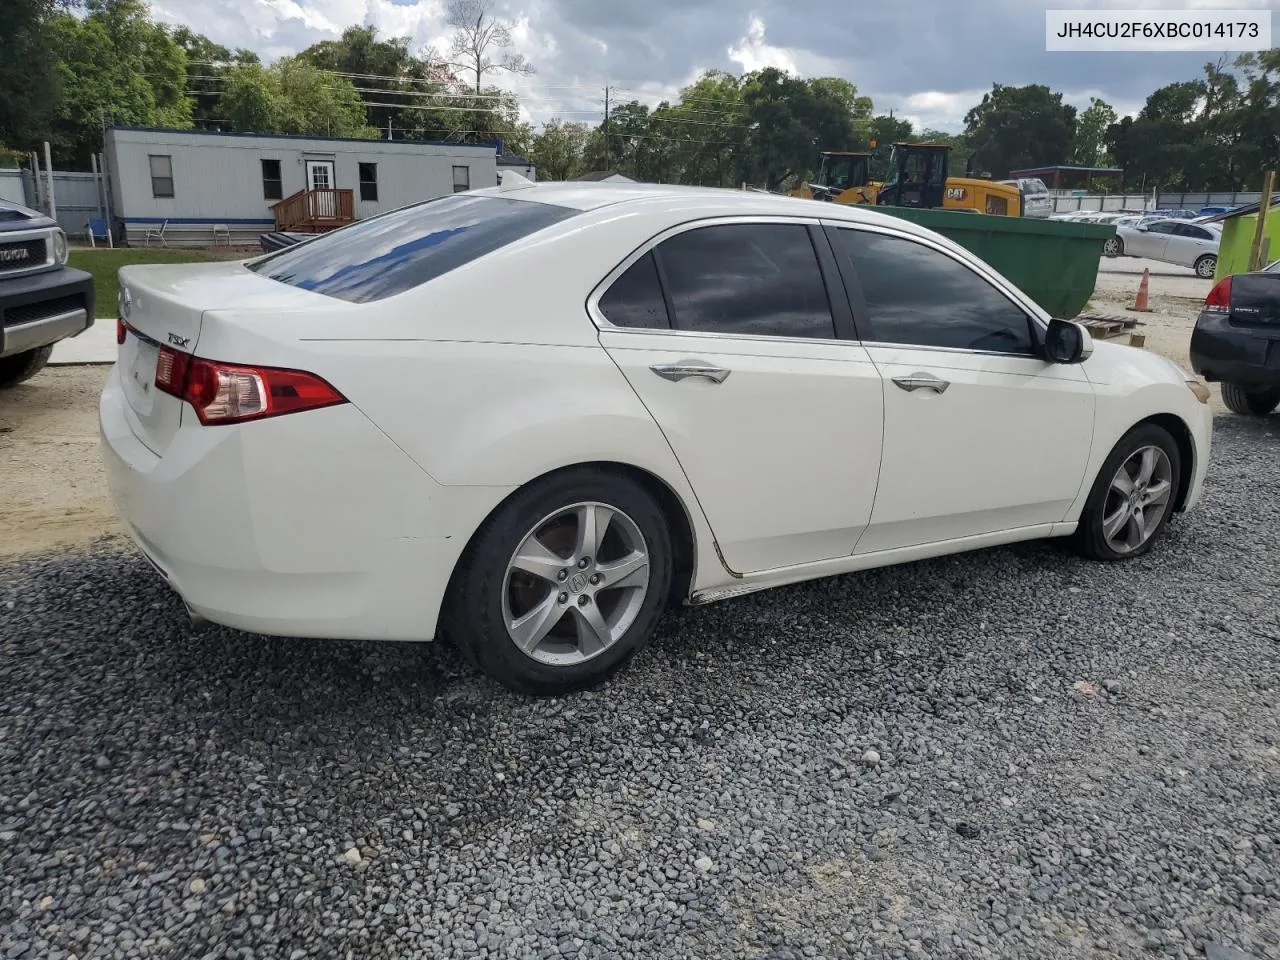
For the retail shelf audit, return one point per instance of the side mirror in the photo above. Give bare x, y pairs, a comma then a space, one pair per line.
1067, 342
1143, 228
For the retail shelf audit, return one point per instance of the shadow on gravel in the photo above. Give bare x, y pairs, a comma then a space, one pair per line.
1007, 753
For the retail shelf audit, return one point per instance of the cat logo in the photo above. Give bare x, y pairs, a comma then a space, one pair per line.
955, 193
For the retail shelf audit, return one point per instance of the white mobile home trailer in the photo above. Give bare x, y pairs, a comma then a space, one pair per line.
205, 188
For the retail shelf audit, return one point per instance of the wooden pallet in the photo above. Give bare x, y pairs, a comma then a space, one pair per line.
1104, 326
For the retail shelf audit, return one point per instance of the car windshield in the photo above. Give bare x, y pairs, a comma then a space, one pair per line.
389, 254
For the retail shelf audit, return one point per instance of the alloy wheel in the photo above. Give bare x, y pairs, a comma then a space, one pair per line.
575, 584
1137, 500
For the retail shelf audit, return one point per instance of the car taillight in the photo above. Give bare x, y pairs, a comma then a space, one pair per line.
233, 393
1219, 299
121, 330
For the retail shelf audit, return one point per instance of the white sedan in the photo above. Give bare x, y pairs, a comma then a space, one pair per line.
530, 418
1180, 241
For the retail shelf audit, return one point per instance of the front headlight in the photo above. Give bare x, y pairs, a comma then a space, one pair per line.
59, 246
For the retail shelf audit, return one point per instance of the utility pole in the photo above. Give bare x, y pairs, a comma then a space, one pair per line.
607, 159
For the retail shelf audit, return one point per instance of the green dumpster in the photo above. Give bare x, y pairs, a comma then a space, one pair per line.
1054, 262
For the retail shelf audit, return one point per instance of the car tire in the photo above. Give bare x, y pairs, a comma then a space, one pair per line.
589, 630
1249, 403
1112, 501
1114, 247
1206, 266
23, 366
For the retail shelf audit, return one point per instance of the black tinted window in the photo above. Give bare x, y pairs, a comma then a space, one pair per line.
918, 296
1164, 227
635, 298
392, 253
755, 278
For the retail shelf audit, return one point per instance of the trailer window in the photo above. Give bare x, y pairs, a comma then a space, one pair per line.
161, 175
368, 181
379, 257
272, 183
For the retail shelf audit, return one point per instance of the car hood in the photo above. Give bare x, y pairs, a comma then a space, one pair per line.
14, 216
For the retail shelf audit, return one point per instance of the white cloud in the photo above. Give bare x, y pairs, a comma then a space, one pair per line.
753, 53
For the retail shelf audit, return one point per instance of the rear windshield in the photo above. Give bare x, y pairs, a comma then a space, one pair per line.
391, 253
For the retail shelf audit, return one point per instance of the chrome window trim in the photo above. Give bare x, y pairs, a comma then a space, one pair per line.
1010, 292
603, 323
21, 236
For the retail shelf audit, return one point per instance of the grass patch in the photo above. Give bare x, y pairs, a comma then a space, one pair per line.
103, 264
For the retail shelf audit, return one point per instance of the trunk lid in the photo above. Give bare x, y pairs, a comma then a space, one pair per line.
1255, 298
164, 307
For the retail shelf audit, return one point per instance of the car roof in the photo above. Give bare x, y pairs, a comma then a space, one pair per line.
587, 196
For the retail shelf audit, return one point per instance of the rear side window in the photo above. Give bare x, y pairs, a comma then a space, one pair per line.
389, 254
761, 279
635, 298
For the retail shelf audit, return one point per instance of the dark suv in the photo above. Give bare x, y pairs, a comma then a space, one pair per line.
1236, 340
42, 300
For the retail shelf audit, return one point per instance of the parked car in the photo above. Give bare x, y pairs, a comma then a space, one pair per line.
42, 300
527, 419
1036, 200
1236, 340
1193, 245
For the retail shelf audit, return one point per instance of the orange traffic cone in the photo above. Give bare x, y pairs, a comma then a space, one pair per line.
1140, 305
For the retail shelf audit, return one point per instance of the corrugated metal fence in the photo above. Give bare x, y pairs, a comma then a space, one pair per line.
76, 196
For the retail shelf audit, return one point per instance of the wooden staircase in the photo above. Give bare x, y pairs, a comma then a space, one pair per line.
315, 211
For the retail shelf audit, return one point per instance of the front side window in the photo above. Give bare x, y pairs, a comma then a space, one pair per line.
1163, 226
916, 295
747, 278
389, 254
461, 179
368, 181
161, 175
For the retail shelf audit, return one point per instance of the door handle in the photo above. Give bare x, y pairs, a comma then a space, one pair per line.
690, 368
922, 381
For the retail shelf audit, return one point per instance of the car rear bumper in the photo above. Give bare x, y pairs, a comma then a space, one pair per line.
43, 308
1248, 356
308, 525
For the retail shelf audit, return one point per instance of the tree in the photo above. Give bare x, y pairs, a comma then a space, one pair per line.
791, 120
558, 150
293, 96
1017, 127
207, 63
113, 66
28, 78
1091, 132
400, 91
478, 36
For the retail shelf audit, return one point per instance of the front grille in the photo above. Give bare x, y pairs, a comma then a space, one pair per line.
45, 308
22, 255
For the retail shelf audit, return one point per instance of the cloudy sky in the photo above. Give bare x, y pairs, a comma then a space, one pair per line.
927, 60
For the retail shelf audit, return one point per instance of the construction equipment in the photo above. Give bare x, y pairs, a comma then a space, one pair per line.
843, 177
918, 177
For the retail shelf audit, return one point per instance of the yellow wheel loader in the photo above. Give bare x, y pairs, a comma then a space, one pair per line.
842, 177
917, 178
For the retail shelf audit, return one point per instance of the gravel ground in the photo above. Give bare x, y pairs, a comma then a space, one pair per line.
1010, 753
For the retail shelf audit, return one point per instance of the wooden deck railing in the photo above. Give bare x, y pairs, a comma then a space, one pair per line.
312, 211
